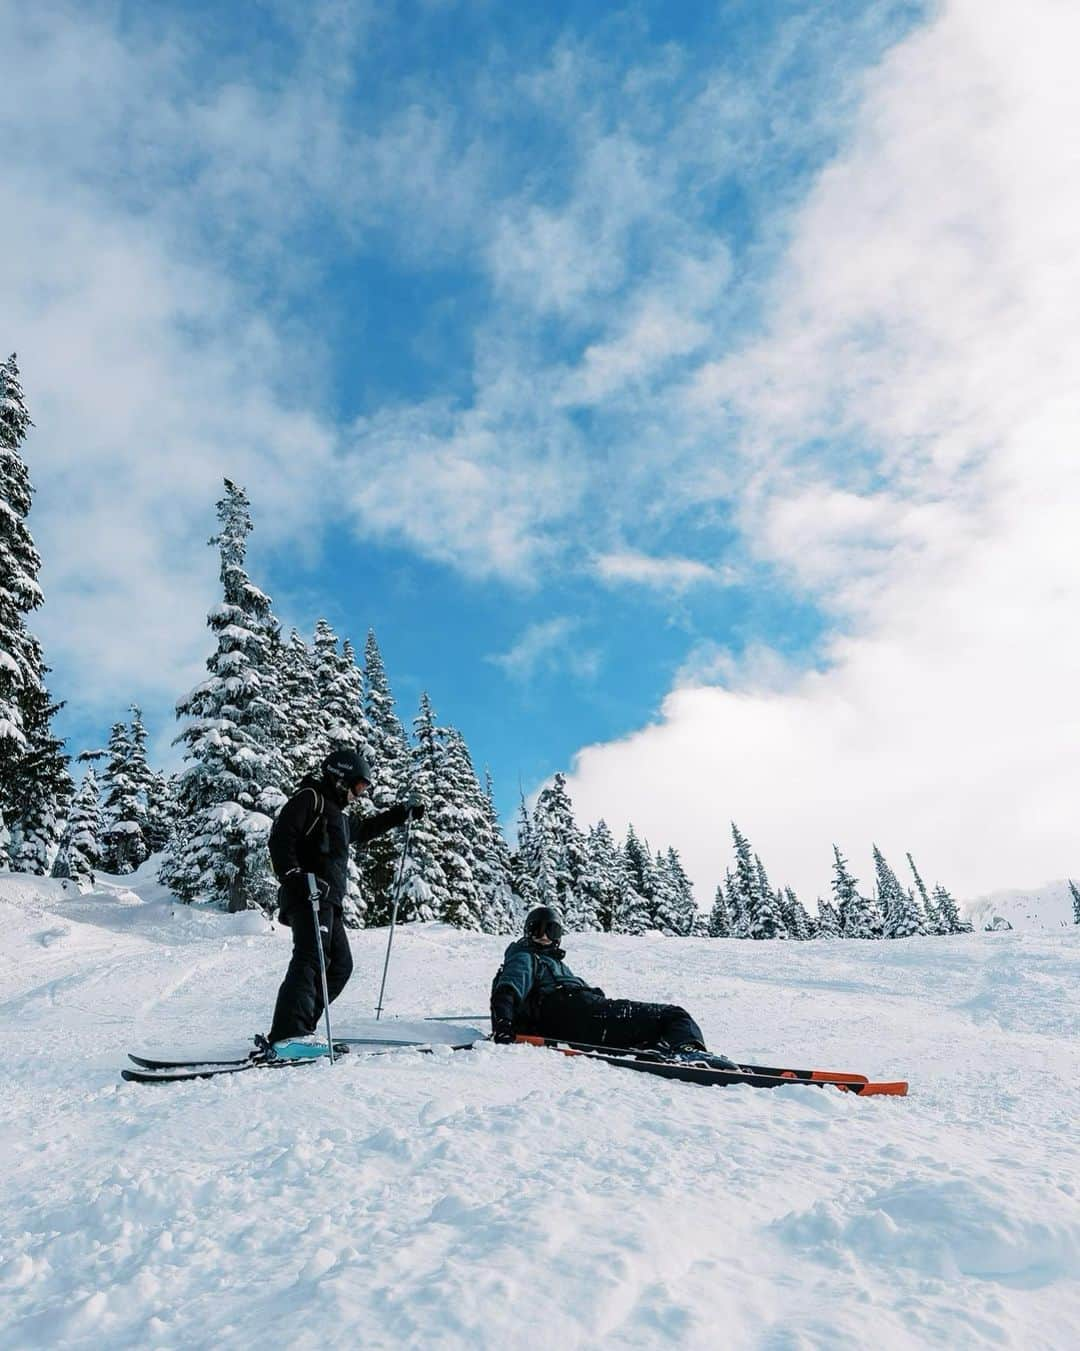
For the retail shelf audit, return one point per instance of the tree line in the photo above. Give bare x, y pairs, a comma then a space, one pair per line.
269, 710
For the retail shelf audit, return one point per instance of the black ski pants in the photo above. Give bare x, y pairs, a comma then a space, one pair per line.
300, 1003
576, 1014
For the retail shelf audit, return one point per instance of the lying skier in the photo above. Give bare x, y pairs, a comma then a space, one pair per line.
535, 992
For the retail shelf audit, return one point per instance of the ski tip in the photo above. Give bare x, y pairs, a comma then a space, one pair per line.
896, 1089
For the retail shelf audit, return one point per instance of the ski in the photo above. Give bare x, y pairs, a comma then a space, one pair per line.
756, 1076
373, 1045
151, 1071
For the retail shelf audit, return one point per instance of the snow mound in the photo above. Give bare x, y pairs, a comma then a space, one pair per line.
947, 1228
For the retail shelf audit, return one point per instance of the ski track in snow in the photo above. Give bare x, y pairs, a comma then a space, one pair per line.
508, 1197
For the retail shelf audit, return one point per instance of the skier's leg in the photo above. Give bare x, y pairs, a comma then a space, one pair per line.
299, 1000
338, 957
631, 1022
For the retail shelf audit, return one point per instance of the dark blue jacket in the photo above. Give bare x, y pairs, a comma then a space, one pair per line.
531, 971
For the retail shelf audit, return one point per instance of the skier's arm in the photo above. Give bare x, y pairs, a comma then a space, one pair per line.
362, 829
514, 983
291, 825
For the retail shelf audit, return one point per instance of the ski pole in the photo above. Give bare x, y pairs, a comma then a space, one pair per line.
393, 914
313, 892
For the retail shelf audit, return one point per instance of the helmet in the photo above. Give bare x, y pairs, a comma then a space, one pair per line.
544, 921
346, 767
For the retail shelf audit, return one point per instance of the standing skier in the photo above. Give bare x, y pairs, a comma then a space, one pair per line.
312, 834
535, 992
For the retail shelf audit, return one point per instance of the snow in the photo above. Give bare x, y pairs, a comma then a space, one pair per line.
508, 1197
1047, 907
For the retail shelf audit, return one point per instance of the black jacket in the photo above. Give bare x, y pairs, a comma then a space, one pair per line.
311, 834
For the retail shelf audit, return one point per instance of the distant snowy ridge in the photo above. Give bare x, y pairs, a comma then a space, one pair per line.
1046, 907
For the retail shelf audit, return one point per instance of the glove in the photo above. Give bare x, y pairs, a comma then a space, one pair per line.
414, 806
502, 1015
294, 892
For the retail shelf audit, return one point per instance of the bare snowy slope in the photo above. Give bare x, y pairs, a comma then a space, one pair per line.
1045, 907
511, 1198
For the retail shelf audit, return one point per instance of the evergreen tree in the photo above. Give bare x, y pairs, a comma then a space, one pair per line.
521, 861
299, 693
759, 912
935, 924
80, 849
460, 822
392, 761
235, 771
339, 683
675, 907
902, 918
559, 859
44, 791
740, 915
35, 786
1075, 891
425, 892
125, 805
828, 921
796, 919
604, 882
637, 906
948, 911
494, 870
858, 915
721, 924
161, 811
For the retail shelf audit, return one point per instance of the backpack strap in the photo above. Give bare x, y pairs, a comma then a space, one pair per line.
319, 805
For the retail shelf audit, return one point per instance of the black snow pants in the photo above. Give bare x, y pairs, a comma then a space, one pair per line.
577, 1014
300, 1003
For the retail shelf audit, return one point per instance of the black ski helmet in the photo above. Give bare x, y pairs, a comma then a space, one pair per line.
543, 920
347, 767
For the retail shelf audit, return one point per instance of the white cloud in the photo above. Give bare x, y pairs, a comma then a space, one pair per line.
548, 645
663, 574
910, 417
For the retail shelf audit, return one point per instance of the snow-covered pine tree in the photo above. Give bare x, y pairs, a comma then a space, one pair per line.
459, 819
560, 861
80, 849
675, 905
35, 786
1074, 891
424, 891
45, 787
521, 861
828, 921
796, 919
934, 922
720, 922
740, 917
160, 811
859, 916
603, 883
762, 915
903, 919
392, 764
299, 692
340, 693
235, 770
636, 911
493, 870
950, 914
125, 778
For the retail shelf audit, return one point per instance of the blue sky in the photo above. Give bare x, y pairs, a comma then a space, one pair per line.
574, 348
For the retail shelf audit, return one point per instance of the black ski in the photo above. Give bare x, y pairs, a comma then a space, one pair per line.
755, 1076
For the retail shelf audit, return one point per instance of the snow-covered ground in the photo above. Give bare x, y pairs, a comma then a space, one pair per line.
513, 1198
